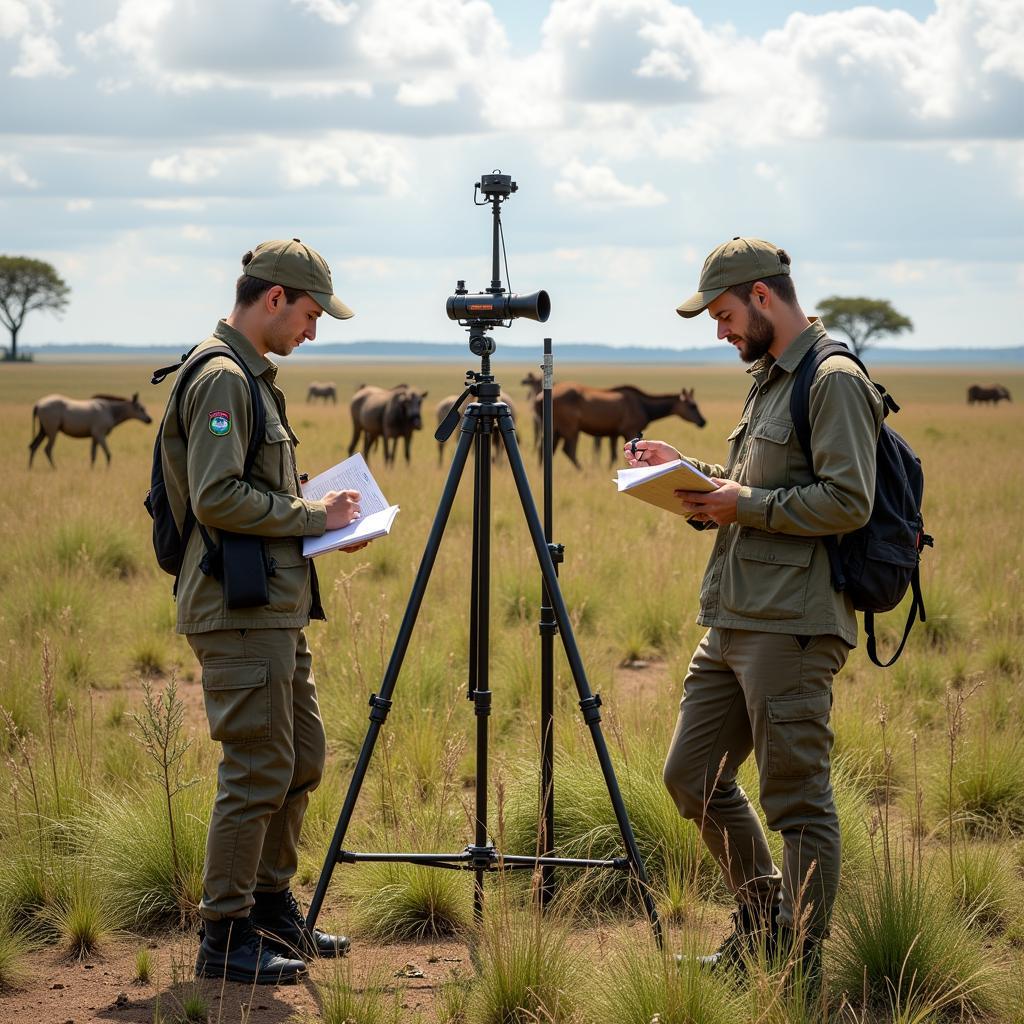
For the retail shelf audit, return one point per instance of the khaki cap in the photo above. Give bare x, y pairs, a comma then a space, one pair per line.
734, 262
293, 264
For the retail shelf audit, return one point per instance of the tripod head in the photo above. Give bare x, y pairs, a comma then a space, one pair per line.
481, 312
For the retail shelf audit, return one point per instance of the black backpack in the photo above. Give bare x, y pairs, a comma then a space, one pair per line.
168, 544
877, 563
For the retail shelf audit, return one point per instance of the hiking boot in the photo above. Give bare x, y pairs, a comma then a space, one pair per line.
232, 949
278, 917
751, 931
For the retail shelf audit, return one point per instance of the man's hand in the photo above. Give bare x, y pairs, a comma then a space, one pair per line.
718, 506
342, 508
649, 453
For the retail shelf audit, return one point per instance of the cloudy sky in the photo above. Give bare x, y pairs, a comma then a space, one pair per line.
146, 144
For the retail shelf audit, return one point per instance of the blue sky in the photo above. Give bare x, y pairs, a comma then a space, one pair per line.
148, 143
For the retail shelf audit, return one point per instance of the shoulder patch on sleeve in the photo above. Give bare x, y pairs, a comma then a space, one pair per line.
220, 422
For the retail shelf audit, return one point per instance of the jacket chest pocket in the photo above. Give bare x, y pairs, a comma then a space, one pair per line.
277, 459
768, 462
767, 578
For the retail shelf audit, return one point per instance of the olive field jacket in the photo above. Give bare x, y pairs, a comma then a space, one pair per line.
207, 466
769, 571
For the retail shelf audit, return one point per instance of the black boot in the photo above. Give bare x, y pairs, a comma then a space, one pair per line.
278, 917
231, 949
752, 930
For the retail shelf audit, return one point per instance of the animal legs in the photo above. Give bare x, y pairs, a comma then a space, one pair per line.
36, 442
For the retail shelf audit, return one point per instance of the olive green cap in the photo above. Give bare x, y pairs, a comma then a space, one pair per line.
293, 264
734, 262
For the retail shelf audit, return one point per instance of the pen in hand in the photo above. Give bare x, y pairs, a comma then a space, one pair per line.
632, 447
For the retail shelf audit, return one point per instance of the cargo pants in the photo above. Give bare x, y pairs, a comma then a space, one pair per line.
770, 693
262, 707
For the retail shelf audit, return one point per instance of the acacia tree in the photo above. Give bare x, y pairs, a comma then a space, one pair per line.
27, 285
863, 321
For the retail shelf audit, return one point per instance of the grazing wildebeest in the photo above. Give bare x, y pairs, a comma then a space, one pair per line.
322, 389
403, 414
443, 408
995, 393
93, 417
380, 413
622, 412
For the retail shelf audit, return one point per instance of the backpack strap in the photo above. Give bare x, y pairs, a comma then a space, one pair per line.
800, 413
916, 607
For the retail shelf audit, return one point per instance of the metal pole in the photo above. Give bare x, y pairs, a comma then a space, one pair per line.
548, 629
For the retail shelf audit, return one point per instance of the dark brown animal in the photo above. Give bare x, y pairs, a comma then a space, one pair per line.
367, 410
94, 417
995, 394
444, 407
403, 414
322, 389
615, 413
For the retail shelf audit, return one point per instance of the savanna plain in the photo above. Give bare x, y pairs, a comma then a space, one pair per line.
107, 774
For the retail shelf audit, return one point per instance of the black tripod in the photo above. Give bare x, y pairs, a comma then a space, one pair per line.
486, 417
481, 419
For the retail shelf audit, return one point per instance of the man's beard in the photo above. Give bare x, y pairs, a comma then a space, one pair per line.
759, 336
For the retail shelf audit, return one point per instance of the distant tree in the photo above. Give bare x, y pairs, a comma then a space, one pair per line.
27, 285
863, 321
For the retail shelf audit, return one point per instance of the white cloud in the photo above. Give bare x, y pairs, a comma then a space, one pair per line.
11, 167
14, 18
196, 233
331, 11
39, 55
189, 167
78, 205
598, 185
348, 159
183, 205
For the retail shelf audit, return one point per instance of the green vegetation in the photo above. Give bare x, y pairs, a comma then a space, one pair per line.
103, 834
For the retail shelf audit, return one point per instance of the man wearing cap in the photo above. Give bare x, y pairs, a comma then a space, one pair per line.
761, 678
256, 668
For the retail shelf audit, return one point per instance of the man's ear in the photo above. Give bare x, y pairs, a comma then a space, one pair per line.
272, 298
760, 294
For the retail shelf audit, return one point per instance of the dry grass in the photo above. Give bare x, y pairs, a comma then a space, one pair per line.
77, 571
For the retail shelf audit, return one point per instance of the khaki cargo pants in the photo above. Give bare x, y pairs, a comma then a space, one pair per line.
262, 707
770, 693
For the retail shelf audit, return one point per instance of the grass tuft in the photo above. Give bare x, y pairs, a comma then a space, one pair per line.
901, 945
404, 902
344, 1001
528, 969
13, 947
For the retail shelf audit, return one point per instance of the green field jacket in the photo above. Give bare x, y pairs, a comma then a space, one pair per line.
769, 571
207, 465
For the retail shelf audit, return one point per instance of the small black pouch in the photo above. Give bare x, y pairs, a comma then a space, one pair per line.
244, 569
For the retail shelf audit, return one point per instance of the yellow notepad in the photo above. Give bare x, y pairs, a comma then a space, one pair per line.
657, 484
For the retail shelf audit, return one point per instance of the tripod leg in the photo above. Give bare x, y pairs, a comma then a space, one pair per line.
381, 704
482, 692
589, 704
